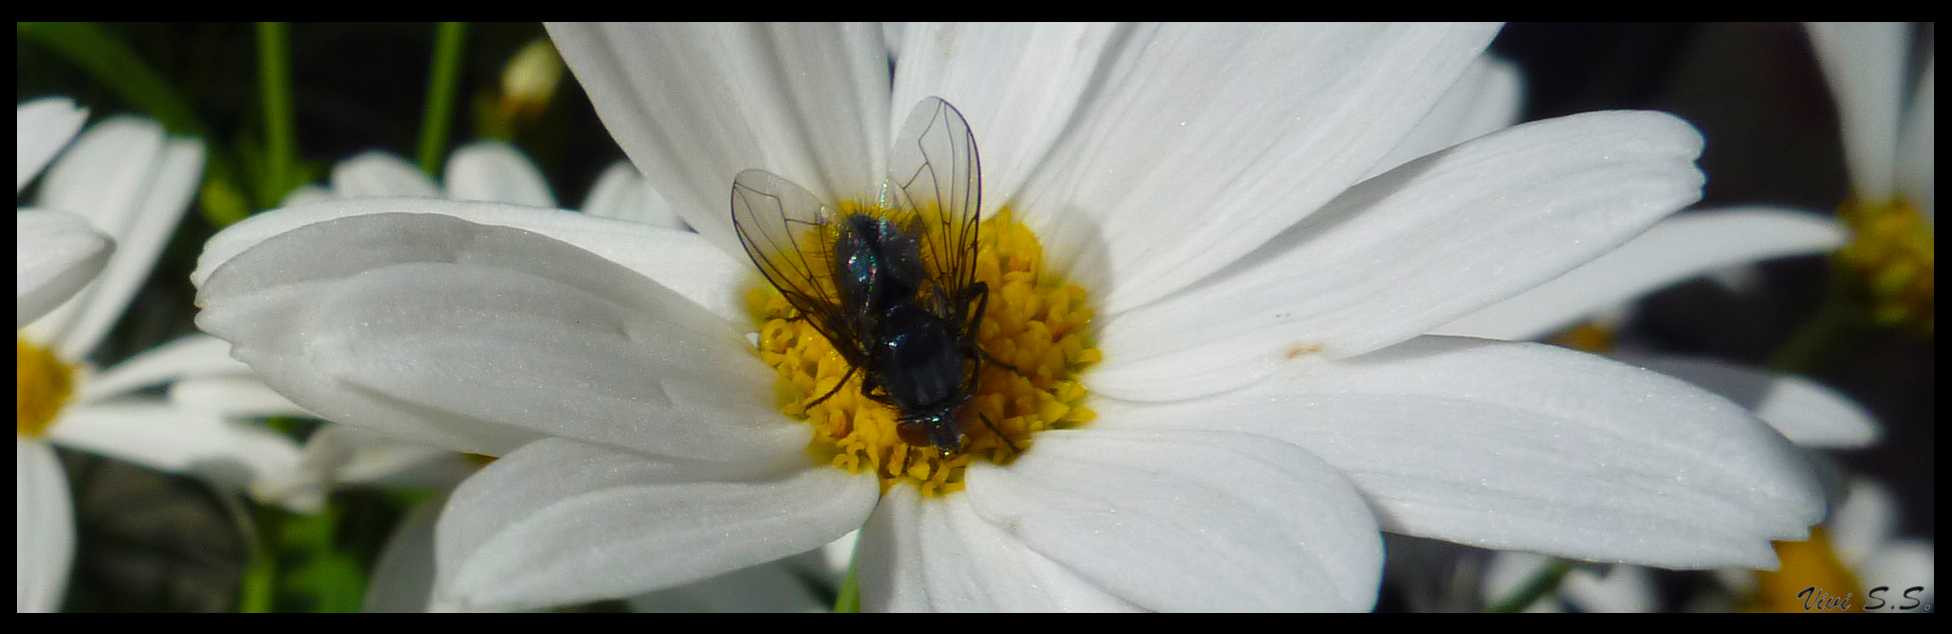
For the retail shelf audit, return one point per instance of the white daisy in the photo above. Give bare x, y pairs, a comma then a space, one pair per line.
1264, 401
124, 183
1890, 150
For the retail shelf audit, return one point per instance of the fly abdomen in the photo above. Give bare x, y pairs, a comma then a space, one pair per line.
917, 360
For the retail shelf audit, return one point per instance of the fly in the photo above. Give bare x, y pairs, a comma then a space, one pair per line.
894, 292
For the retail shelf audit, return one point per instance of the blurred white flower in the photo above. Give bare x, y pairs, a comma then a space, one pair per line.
123, 183
1888, 132
1612, 589
1890, 149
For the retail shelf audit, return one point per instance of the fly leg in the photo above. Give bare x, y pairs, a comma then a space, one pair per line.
873, 390
836, 390
975, 381
999, 434
906, 457
980, 292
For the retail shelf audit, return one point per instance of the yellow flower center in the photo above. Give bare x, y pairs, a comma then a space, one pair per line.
1811, 579
45, 385
1033, 321
1586, 336
1892, 252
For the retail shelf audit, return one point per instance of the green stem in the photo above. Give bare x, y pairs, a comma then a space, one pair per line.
280, 136
1544, 582
1839, 316
849, 600
257, 591
442, 83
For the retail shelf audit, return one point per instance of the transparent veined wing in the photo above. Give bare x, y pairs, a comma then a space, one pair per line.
789, 234
934, 173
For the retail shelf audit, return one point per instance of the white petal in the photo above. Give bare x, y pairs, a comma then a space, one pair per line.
1806, 412
1864, 522
1864, 63
770, 588
56, 254
336, 454
307, 194
937, 554
1531, 447
559, 521
1507, 573
890, 568
1409, 250
1674, 249
837, 557
41, 128
133, 183
403, 577
495, 171
378, 174
1740, 581
621, 193
1918, 145
694, 105
44, 537
1909, 567
480, 338
1016, 84
893, 34
1622, 590
154, 434
1203, 141
680, 260
1488, 98
1189, 521
192, 355
233, 397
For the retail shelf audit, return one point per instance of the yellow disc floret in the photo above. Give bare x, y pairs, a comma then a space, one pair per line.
45, 385
1809, 579
1033, 322
1892, 251
1586, 336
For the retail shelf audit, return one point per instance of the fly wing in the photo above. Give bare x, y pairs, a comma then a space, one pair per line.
934, 173
789, 234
